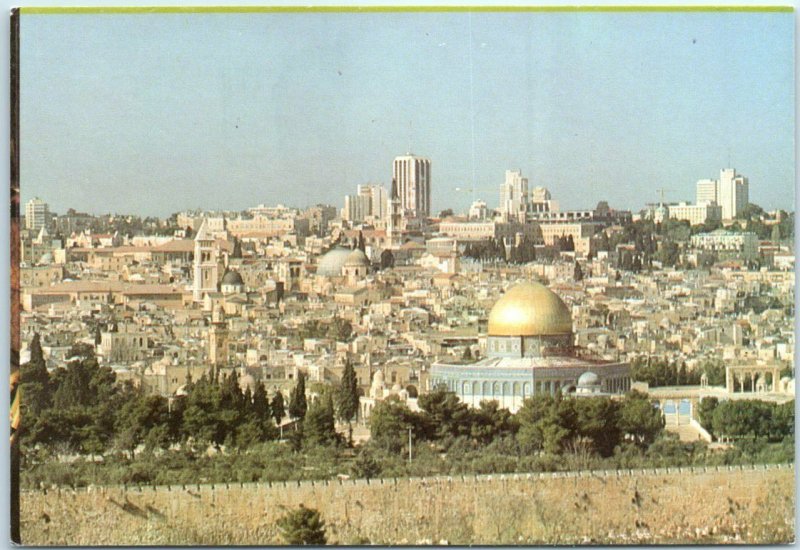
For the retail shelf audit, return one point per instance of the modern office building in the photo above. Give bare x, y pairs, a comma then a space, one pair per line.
412, 175
37, 214
514, 196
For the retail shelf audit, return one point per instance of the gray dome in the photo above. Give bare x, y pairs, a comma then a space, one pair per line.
46, 259
356, 258
588, 379
332, 262
232, 278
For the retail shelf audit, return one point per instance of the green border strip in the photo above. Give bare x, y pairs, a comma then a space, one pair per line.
389, 9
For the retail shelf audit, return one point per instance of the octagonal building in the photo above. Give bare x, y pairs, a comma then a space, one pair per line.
529, 351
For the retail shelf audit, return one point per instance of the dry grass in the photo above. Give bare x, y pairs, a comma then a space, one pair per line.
755, 506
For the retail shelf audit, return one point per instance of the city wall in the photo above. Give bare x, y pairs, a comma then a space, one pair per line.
714, 504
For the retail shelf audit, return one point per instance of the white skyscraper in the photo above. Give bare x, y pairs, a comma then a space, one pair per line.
36, 214
514, 196
731, 192
734, 193
413, 177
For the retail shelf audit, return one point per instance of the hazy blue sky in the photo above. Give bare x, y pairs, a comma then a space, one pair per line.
152, 114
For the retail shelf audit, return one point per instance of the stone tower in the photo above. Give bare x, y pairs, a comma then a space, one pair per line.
206, 263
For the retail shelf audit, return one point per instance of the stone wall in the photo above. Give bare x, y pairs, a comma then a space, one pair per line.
680, 505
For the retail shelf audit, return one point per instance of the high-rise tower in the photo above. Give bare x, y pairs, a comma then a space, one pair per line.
413, 177
733, 193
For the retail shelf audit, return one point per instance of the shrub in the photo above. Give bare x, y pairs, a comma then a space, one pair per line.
302, 526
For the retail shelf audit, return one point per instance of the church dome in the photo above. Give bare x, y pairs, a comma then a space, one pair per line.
356, 258
232, 278
332, 262
529, 309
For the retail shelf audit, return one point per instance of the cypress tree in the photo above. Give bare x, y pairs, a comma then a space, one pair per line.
347, 398
277, 408
260, 406
297, 399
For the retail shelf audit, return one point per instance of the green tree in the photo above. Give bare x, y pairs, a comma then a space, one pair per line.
277, 407
598, 420
302, 526
447, 415
639, 419
260, 404
201, 416
365, 465
347, 398
489, 422
35, 383
389, 424
318, 425
705, 412
297, 399
577, 272
138, 417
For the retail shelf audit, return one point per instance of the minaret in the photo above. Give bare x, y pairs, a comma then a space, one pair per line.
206, 265
393, 228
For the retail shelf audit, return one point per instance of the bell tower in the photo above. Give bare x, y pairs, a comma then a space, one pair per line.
206, 263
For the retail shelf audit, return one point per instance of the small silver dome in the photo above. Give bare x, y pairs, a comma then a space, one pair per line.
588, 379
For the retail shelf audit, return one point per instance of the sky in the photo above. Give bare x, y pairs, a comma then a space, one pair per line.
158, 113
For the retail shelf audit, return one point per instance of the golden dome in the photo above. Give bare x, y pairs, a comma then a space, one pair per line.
529, 309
